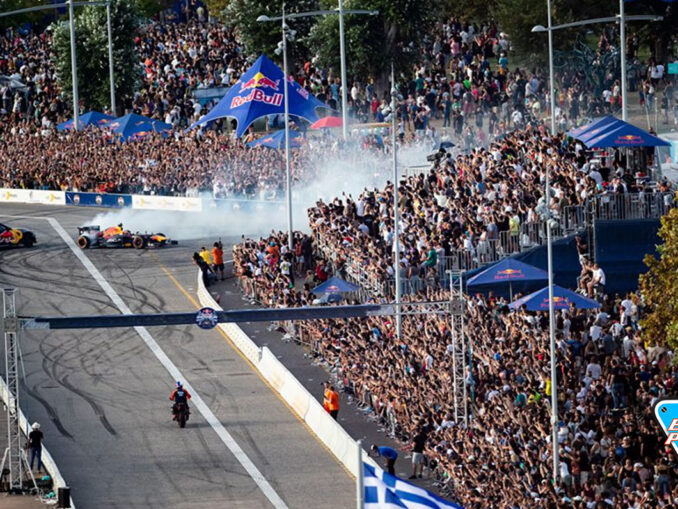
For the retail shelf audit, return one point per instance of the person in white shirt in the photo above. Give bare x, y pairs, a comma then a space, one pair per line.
597, 280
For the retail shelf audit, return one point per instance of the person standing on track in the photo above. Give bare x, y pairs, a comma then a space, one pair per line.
35, 445
218, 259
326, 396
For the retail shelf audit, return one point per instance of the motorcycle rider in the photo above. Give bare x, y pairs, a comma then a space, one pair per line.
179, 395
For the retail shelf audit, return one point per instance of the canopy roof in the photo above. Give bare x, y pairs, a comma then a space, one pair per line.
260, 92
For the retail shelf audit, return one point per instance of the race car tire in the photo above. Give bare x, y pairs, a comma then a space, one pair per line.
138, 242
28, 242
82, 242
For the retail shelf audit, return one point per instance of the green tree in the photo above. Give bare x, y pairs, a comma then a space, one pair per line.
18, 19
150, 8
92, 52
258, 37
373, 42
659, 287
217, 8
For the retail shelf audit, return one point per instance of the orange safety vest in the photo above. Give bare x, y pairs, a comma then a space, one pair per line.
334, 400
326, 399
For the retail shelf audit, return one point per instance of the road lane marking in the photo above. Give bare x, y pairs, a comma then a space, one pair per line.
172, 369
197, 305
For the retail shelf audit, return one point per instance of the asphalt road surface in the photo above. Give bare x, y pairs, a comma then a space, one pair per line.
101, 396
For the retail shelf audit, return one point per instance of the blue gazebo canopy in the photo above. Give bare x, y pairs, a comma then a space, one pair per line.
133, 126
562, 298
506, 271
609, 131
260, 92
87, 119
335, 285
276, 140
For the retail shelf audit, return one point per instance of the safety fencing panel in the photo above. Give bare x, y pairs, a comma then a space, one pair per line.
179, 203
32, 196
98, 200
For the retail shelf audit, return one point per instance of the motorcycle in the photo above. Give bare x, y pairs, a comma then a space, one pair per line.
181, 414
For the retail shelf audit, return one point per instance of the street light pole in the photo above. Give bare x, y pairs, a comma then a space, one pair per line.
290, 230
552, 86
622, 57
396, 214
344, 83
552, 336
110, 58
74, 68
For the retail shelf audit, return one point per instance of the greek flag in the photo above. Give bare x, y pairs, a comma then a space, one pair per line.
385, 491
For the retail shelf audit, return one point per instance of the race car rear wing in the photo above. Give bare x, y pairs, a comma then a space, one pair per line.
87, 229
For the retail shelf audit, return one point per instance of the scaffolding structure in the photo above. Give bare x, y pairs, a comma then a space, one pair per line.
14, 460
457, 312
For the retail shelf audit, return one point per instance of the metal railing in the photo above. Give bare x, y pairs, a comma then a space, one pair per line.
571, 220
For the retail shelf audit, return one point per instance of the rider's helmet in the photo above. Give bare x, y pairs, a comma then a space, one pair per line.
179, 386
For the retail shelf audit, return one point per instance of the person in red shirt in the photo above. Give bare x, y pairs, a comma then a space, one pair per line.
179, 395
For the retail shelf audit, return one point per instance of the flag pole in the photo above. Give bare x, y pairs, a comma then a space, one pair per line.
359, 491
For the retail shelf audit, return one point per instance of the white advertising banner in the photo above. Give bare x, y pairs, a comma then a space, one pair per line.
166, 203
32, 196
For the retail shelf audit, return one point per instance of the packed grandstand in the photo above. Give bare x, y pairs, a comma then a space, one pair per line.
471, 207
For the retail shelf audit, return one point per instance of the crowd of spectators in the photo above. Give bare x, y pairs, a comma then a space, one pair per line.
482, 204
611, 452
88, 161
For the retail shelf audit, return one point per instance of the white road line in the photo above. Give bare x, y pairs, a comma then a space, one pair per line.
212, 420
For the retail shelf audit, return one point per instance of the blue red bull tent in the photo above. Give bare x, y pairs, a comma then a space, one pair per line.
87, 119
507, 272
258, 93
623, 134
335, 285
611, 132
277, 140
134, 127
562, 298
596, 125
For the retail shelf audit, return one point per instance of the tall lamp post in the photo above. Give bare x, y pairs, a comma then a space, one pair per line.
74, 61
547, 217
622, 19
283, 47
396, 213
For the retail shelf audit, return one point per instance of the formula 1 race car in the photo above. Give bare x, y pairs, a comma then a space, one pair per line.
117, 236
16, 237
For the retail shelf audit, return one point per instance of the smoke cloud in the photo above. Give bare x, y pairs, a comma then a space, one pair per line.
350, 173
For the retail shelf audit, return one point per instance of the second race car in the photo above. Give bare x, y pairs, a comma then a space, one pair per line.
16, 237
117, 236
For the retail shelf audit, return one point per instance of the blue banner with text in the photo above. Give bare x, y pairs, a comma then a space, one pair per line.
98, 200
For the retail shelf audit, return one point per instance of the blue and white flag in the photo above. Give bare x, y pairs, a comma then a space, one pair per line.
386, 491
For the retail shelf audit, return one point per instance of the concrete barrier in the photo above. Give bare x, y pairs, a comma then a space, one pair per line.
47, 460
302, 402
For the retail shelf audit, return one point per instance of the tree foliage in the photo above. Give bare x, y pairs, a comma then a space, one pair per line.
150, 8
659, 287
259, 37
92, 53
16, 20
373, 42
217, 8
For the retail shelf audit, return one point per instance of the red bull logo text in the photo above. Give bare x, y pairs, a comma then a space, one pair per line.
630, 139
509, 274
257, 95
259, 80
558, 302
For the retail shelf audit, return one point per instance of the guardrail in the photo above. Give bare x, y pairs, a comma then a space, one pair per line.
47, 460
329, 431
137, 201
